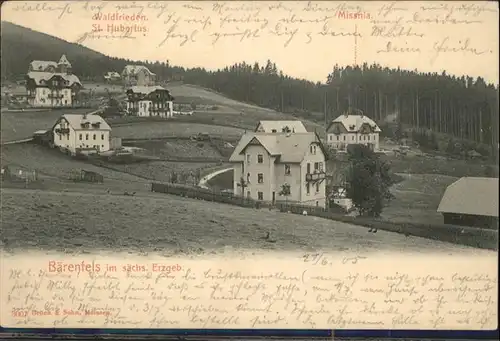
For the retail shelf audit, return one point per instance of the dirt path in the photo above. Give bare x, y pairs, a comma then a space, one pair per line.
205, 179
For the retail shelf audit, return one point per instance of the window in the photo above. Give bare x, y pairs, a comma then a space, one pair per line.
287, 169
330, 137
317, 187
353, 137
274, 130
368, 137
260, 158
80, 137
260, 195
102, 136
320, 166
248, 158
311, 149
316, 166
248, 177
308, 188
94, 137
86, 136
344, 137
338, 137
260, 178
314, 148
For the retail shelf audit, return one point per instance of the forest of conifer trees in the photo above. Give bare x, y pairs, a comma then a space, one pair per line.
463, 107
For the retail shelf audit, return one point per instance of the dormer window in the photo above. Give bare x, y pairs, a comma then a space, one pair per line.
313, 149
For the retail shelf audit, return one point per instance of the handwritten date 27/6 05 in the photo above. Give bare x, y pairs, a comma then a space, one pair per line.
322, 259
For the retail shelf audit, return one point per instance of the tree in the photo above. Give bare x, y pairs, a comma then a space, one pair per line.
368, 181
173, 177
242, 184
285, 191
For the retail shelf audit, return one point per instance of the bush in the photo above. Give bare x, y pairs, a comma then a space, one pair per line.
426, 141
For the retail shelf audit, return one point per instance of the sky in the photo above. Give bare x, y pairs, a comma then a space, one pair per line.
305, 39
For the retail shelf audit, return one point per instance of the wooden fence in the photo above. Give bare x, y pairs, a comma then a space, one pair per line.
16, 174
329, 213
231, 199
208, 195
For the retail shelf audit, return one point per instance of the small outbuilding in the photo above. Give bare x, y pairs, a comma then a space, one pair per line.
471, 201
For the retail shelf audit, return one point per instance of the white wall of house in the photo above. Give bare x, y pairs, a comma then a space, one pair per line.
43, 98
288, 173
170, 109
67, 141
85, 138
93, 138
340, 141
144, 108
316, 196
258, 174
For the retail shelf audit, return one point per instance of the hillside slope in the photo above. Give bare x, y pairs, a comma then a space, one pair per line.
21, 45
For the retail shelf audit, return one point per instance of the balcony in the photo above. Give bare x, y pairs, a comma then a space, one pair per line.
62, 131
316, 176
56, 96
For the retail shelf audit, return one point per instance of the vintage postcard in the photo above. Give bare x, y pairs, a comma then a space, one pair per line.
249, 165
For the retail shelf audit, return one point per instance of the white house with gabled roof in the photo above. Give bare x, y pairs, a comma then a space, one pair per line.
149, 101
50, 89
88, 133
353, 129
263, 162
138, 75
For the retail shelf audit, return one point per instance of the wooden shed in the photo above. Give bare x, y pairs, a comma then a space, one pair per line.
471, 201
